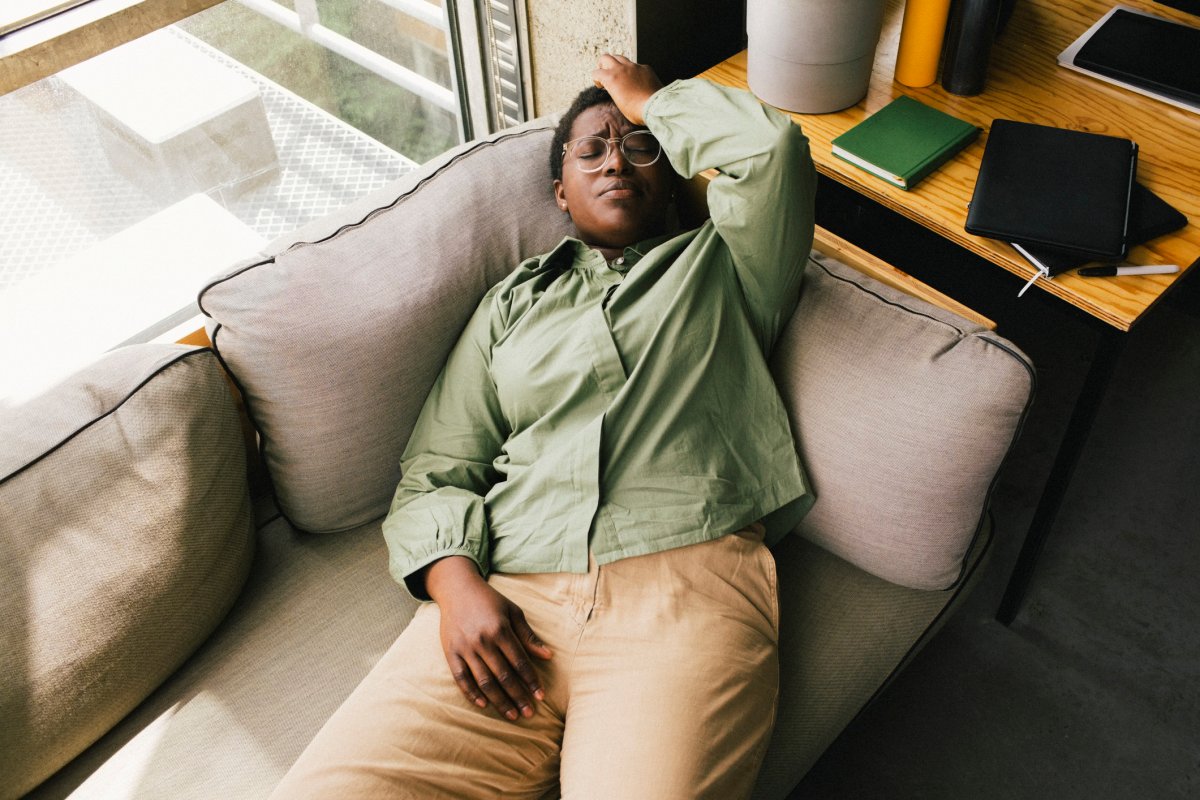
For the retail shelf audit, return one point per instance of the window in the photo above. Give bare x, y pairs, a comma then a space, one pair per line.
128, 180
16, 14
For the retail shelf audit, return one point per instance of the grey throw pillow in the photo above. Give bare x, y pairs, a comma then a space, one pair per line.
336, 343
126, 536
903, 414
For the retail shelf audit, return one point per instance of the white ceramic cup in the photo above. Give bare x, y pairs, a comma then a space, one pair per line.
812, 56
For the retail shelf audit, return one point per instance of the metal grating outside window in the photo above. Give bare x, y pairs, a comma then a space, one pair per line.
222, 131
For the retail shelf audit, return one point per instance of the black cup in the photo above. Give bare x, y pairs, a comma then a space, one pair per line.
969, 34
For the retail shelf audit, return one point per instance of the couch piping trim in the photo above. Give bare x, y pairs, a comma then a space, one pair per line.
988, 338
1017, 431
921, 640
246, 403
883, 299
421, 183
264, 441
116, 407
370, 214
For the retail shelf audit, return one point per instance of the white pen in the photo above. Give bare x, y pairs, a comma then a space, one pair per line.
1112, 270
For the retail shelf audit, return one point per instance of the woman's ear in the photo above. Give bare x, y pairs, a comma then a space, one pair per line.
560, 196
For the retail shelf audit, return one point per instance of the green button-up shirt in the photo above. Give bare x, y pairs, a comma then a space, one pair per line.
626, 408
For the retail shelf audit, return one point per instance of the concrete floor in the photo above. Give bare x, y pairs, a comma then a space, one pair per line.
1094, 690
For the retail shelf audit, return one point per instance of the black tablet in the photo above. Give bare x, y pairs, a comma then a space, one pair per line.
1148, 52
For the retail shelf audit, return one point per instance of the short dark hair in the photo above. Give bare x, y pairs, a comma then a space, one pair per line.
589, 97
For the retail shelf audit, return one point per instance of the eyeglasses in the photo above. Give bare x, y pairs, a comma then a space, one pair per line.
591, 153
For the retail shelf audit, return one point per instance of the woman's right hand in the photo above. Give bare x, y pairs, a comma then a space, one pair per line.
629, 83
486, 639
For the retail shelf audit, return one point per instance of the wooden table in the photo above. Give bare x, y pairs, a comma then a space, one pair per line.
1025, 83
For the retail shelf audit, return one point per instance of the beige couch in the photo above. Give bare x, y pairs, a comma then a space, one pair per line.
160, 643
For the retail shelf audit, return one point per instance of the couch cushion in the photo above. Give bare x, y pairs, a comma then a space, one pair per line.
336, 343
126, 537
902, 413
316, 614
844, 635
319, 611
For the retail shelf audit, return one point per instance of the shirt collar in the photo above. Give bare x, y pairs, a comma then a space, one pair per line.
634, 254
573, 252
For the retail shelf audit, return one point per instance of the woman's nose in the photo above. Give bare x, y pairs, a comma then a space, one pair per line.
617, 164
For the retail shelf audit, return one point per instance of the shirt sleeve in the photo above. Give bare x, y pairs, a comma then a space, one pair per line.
761, 202
447, 466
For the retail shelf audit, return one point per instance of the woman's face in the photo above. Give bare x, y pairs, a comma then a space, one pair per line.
620, 204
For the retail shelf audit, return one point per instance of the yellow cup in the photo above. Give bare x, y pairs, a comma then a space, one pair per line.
921, 35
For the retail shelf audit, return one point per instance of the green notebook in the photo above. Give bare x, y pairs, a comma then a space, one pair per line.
904, 141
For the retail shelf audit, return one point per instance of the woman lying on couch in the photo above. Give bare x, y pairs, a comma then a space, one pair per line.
587, 491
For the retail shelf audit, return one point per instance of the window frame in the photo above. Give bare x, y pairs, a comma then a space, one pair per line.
488, 40
48, 46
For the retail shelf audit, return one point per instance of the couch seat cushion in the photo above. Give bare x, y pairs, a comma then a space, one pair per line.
316, 614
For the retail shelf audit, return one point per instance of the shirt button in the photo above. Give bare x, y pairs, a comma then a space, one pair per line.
620, 261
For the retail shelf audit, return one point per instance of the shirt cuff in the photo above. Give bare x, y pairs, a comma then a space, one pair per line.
412, 576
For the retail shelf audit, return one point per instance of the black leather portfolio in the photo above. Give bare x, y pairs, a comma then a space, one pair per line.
1149, 52
1149, 217
1053, 187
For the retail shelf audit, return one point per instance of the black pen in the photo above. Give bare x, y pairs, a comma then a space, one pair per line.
1112, 270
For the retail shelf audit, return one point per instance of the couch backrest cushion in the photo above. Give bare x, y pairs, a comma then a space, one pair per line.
336, 343
125, 536
903, 414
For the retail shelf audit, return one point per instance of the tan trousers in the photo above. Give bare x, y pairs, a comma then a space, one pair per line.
662, 685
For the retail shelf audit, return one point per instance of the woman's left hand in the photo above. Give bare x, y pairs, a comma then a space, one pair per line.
629, 83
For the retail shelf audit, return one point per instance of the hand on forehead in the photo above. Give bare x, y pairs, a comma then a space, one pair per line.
630, 84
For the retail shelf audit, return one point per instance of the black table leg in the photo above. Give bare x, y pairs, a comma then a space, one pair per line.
1104, 360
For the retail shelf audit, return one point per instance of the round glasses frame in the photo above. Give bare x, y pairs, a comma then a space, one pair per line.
637, 158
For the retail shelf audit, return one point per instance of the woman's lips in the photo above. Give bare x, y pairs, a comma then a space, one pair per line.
620, 189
